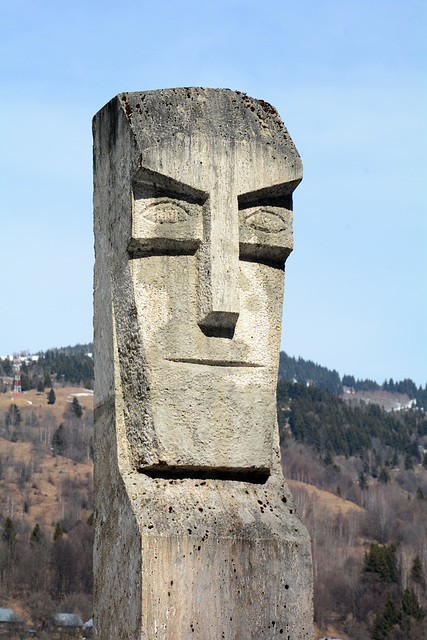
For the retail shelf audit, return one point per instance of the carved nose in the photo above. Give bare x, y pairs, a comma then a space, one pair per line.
219, 269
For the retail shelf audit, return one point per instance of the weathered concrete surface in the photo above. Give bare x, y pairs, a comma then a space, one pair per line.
196, 535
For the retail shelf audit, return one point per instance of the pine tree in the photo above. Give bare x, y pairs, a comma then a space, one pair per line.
390, 612
348, 381
9, 532
76, 407
40, 386
383, 623
370, 564
58, 533
381, 560
25, 383
409, 465
363, 484
384, 476
328, 459
36, 535
410, 605
58, 440
13, 416
378, 631
420, 494
51, 398
417, 570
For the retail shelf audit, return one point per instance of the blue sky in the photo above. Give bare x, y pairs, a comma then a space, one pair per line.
349, 80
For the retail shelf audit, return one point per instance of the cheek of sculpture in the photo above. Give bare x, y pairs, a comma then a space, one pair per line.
225, 416
261, 299
158, 282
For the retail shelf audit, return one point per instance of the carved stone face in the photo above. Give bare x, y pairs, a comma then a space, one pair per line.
192, 217
211, 229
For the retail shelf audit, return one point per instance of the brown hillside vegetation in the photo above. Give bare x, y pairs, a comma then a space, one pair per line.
344, 521
45, 569
325, 501
33, 400
55, 487
37, 484
46, 478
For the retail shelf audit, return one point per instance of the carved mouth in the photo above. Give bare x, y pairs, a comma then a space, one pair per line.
215, 363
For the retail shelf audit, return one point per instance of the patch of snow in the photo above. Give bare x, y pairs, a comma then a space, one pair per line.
86, 392
29, 402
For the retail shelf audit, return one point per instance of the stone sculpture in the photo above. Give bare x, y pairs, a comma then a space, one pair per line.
196, 532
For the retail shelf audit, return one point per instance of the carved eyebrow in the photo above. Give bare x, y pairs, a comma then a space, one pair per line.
165, 186
279, 195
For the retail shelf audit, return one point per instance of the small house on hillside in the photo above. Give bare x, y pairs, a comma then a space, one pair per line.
70, 622
9, 620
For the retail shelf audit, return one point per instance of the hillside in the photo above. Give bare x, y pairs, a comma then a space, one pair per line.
46, 567
355, 461
312, 374
387, 400
27, 455
349, 522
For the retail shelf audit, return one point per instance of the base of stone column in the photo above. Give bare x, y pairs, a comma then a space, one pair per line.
203, 559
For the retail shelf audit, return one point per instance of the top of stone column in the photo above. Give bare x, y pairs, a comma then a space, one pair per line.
156, 116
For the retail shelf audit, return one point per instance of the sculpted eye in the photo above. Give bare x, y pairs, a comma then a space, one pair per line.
265, 220
166, 211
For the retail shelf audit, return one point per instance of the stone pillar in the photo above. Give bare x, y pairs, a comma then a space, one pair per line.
197, 535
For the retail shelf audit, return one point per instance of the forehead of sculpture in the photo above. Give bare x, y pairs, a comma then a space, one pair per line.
208, 137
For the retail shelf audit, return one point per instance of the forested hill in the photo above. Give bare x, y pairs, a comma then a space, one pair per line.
358, 475
74, 365
307, 372
309, 407
322, 420
68, 365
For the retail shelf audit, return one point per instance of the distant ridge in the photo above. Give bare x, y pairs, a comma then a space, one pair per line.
74, 364
309, 373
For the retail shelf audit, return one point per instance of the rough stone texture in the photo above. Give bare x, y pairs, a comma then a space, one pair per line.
196, 532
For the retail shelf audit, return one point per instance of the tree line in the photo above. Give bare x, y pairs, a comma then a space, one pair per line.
322, 420
305, 371
51, 573
73, 365
69, 365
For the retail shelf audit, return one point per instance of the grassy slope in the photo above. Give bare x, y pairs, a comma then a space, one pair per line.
44, 492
